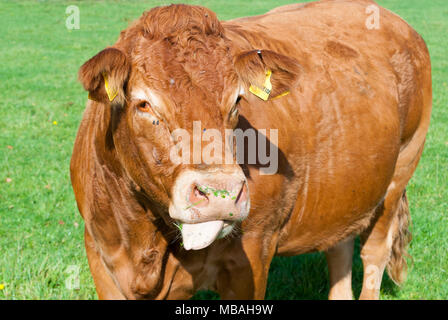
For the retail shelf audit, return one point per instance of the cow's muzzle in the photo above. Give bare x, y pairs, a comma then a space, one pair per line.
207, 204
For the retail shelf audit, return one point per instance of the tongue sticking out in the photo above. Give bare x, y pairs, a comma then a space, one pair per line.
200, 235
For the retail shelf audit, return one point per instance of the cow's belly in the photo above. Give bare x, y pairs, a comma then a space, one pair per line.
324, 213
341, 178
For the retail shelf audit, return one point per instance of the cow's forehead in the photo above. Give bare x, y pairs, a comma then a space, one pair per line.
202, 59
183, 74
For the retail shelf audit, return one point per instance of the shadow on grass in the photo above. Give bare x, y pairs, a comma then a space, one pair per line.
305, 277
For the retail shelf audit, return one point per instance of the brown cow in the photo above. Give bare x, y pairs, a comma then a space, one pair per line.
350, 134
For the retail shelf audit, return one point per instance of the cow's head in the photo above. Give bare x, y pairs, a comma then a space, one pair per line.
171, 69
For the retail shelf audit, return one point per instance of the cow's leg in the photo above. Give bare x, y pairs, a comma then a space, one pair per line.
339, 259
236, 282
246, 276
105, 287
384, 244
260, 252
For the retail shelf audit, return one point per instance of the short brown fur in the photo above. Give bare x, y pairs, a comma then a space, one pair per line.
351, 133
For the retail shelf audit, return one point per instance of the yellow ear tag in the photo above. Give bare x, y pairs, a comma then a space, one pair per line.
109, 92
263, 93
281, 95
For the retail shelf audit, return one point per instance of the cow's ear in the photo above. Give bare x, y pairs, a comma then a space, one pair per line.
259, 69
105, 75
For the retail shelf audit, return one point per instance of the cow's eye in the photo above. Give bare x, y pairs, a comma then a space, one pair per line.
237, 100
145, 106
234, 110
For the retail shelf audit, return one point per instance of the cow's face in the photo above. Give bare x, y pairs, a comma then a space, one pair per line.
189, 91
183, 80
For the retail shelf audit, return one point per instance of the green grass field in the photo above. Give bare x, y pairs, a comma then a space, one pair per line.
41, 231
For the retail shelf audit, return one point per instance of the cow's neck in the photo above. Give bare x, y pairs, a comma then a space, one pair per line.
132, 239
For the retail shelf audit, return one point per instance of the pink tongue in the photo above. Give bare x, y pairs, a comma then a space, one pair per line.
200, 235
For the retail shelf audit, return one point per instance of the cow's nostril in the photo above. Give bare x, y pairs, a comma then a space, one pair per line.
200, 192
197, 197
242, 195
